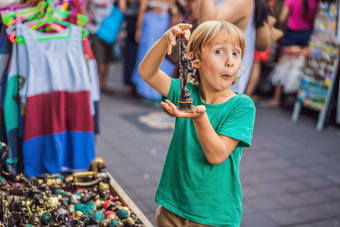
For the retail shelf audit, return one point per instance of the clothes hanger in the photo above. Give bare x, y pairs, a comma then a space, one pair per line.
50, 22
9, 18
81, 19
33, 14
44, 22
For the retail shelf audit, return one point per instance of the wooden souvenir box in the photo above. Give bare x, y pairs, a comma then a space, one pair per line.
116, 189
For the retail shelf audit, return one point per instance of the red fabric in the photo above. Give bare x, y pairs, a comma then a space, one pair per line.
57, 112
261, 55
75, 9
87, 49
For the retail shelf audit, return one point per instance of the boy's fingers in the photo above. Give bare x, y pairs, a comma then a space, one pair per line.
186, 34
200, 109
177, 30
184, 26
169, 49
170, 103
172, 42
172, 39
172, 106
167, 108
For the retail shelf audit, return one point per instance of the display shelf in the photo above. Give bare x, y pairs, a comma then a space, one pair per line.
321, 71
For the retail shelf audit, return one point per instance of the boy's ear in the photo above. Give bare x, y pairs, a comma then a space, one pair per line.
195, 63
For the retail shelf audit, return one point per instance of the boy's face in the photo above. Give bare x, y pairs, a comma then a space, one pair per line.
219, 63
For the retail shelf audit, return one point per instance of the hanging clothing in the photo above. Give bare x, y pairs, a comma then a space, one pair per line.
5, 47
58, 126
95, 90
14, 100
154, 26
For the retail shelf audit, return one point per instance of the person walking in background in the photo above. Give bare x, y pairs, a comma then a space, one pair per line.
263, 10
130, 9
241, 14
97, 11
153, 21
259, 58
301, 15
200, 183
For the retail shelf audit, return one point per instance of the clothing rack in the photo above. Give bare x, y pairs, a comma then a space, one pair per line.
61, 22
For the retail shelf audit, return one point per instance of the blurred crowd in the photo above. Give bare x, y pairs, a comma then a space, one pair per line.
274, 30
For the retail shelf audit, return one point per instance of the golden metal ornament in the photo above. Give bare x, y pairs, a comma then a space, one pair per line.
53, 201
130, 221
96, 164
104, 186
99, 203
78, 214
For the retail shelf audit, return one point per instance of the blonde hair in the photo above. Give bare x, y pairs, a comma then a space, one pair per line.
206, 32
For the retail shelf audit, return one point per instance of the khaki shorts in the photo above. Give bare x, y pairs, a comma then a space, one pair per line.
102, 51
165, 218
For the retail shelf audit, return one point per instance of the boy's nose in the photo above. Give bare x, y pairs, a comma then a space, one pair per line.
230, 64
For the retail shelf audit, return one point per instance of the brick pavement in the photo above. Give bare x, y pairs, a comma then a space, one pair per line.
290, 176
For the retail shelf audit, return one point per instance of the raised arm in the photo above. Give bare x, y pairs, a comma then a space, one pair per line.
284, 14
231, 11
149, 67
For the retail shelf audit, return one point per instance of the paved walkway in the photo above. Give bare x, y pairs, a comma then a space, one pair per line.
290, 176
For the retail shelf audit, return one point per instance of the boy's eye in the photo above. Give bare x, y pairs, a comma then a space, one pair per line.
218, 52
236, 53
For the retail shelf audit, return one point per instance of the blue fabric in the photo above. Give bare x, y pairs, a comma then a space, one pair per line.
3, 87
109, 28
5, 44
300, 38
49, 154
155, 25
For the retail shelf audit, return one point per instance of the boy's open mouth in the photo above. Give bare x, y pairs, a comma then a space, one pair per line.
226, 76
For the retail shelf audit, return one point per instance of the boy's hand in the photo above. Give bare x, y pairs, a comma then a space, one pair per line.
172, 109
179, 29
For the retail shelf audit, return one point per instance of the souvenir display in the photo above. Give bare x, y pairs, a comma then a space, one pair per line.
319, 76
185, 67
321, 59
79, 199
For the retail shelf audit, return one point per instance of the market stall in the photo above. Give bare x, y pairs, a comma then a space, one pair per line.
321, 66
49, 175
89, 198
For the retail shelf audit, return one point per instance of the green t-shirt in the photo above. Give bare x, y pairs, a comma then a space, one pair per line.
190, 186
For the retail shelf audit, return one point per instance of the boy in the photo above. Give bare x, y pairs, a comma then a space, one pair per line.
200, 183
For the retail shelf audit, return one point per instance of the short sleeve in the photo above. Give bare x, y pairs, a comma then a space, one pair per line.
239, 123
289, 3
174, 91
